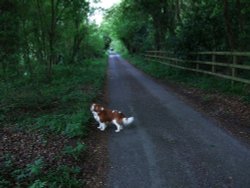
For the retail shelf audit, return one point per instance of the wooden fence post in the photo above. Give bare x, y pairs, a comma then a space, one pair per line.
197, 64
213, 60
233, 69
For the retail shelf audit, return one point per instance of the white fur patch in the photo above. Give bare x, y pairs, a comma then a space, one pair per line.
118, 126
92, 107
103, 126
97, 118
127, 121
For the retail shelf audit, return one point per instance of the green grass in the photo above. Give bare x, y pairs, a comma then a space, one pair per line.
61, 106
58, 107
191, 79
75, 151
34, 175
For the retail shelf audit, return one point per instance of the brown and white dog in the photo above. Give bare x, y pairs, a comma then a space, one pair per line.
105, 116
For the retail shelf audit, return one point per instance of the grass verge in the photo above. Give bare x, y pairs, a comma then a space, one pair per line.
187, 78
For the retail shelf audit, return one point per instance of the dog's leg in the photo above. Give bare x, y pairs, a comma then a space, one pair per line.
118, 126
98, 120
100, 126
96, 117
103, 126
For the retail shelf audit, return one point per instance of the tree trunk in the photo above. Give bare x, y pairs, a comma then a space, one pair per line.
158, 34
44, 51
52, 39
77, 40
178, 11
240, 19
157, 40
239, 16
228, 24
76, 47
26, 49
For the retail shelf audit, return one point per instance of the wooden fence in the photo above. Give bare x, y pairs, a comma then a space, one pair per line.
235, 66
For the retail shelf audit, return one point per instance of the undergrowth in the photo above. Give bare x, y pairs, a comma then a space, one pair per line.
191, 79
60, 106
35, 175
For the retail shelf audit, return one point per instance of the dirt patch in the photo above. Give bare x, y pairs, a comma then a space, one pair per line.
232, 113
25, 147
96, 158
21, 148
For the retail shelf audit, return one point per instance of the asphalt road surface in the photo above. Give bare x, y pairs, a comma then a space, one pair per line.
170, 144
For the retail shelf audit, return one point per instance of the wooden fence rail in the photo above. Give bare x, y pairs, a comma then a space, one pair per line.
211, 65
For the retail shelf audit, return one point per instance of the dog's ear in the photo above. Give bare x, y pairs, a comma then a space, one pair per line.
92, 107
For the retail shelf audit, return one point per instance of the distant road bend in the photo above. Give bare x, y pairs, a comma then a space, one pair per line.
170, 144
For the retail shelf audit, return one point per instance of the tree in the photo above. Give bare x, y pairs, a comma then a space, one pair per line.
9, 37
129, 24
182, 25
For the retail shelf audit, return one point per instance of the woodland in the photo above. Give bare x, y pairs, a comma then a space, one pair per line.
53, 63
181, 25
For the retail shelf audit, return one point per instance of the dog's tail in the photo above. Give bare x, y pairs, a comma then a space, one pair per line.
127, 121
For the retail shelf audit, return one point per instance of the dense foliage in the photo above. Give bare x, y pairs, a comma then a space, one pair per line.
40, 112
52, 67
181, 25
45, 32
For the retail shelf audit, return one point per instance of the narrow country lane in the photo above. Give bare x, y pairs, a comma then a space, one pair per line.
170, 144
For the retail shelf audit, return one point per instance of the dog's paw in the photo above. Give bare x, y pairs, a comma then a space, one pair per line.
117, 131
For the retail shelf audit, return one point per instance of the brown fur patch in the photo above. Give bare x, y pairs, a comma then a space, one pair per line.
106, 115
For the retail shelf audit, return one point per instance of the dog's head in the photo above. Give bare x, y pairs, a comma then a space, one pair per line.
96, 108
